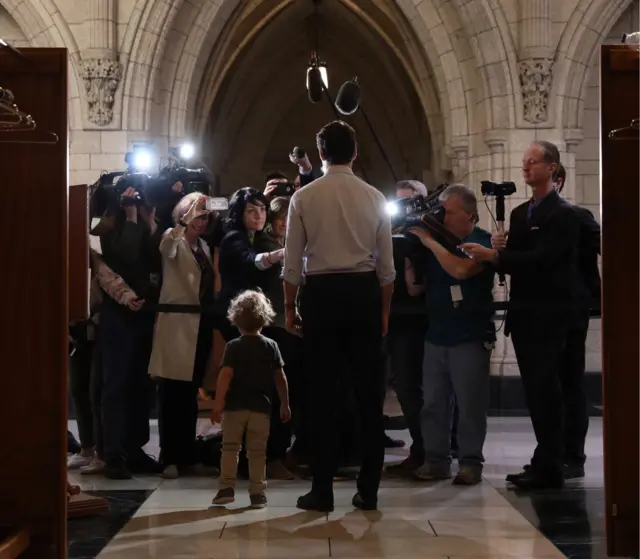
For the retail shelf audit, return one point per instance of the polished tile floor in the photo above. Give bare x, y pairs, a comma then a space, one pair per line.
153, 518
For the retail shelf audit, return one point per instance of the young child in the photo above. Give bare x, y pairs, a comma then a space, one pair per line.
250, 366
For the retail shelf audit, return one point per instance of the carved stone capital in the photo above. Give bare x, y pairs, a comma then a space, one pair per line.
535, 81
101, 77
496, 140
573, 137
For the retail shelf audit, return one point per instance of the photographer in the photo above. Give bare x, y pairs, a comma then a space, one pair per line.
129, 243
458, 345
306, 175
541, 257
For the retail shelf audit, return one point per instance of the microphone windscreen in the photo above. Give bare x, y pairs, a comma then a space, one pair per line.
314, 85
348, 98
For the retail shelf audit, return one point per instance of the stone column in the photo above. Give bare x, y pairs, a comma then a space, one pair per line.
101, 70
572, 138
535, 59
460, 152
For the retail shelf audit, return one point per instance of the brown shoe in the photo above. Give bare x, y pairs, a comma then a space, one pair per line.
404, 468
468, 476
277, 470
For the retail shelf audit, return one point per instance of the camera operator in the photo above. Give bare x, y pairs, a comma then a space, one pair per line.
306, 175
541, 257
405, 341
459, 340
339, 228
130, 248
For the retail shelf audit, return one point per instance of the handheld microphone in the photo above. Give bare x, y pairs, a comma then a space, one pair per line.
315, 86
348, 98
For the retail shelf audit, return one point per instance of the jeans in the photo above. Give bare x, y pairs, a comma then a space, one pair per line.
80, 365
460, 371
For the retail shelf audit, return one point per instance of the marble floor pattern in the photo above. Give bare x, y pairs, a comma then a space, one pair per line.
155, 518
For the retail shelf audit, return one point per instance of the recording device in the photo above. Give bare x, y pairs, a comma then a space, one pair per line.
217, 204
157, 191
425, 213
499, 190
315, 85
348, 99
298, 153
286, 189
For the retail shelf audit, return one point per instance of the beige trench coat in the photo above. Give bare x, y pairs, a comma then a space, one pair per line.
176, 334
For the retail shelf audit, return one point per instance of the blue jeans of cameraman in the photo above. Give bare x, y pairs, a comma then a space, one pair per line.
126, 340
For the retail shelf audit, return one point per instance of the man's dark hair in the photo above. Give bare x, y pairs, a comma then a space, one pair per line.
337, 143
275, 175
550, 152
560, 174
238, 203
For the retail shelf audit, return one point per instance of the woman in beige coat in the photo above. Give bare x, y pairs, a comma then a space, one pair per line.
182, 341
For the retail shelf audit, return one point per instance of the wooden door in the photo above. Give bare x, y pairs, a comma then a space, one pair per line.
33, 284
619, 194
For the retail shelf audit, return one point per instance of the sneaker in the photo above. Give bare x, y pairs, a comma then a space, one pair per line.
224, 496
258, 501
95, 468
428, 472
573, 471
171, 472
468, 476
77, 461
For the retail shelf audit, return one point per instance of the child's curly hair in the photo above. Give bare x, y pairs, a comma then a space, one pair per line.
251, 311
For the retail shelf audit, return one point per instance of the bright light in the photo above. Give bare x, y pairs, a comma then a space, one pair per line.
324, 75
392, 208
187, 151
142, 160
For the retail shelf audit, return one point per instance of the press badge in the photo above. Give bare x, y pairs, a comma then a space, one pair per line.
456, 295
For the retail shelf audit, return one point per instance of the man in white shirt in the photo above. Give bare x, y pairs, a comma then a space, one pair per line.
338, 226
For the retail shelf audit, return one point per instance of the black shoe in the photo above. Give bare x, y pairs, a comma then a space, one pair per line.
573, 471
312, 502
512, 477
116, 471
361, 503
144, 464
532, 480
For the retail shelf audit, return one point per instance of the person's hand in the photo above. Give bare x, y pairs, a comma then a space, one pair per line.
150, 218
285, 413
293, 322
130, 209
135, 304
499, 239
216, 413
423, 235
303, 163
272, 185
385, 324
198, 208
177, 187
478, 252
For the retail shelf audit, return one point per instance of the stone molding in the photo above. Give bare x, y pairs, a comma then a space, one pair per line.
535, 81
101, 77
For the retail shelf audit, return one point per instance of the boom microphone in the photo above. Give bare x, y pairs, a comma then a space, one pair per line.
315, 86
348, 99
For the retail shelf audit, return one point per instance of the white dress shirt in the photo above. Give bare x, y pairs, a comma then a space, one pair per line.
338, 224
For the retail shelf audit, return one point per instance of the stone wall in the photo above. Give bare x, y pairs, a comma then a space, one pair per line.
488, 78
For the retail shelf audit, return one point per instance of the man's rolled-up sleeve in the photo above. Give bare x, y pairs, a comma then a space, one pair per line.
294, 245
385, 268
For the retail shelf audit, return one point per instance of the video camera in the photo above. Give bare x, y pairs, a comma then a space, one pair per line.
157, 191
497, 189
423, 213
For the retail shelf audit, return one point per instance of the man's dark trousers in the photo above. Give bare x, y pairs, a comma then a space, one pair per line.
342, 329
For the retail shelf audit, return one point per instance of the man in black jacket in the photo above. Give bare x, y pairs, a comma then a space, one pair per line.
542, 259
576, 411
